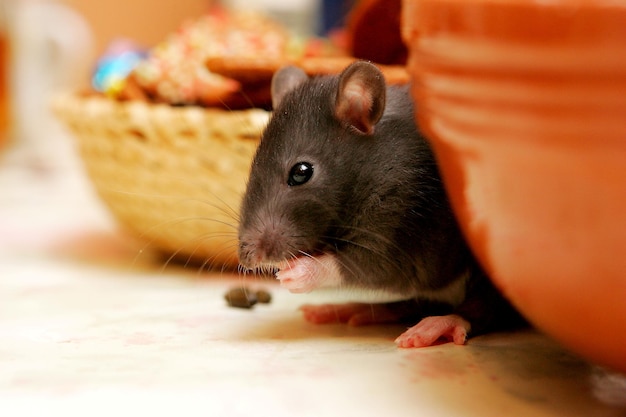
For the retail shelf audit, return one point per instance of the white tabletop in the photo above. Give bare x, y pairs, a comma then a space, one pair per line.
92, 325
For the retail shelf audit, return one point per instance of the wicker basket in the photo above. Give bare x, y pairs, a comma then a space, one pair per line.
173, 176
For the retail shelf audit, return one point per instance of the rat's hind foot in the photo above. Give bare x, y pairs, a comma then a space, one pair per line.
433, 329
355, 314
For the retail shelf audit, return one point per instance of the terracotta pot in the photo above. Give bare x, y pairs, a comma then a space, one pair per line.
525, 105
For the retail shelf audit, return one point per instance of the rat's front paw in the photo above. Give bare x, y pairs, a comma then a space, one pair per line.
299, 275
432, 329
306, 273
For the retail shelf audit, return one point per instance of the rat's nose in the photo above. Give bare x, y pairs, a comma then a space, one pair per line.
265, 248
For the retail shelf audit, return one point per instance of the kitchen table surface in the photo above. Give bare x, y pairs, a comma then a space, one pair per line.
92, 323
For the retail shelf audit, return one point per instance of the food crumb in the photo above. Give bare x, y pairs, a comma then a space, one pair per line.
263, 296
244, 297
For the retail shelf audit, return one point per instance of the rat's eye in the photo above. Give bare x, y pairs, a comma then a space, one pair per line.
300, 173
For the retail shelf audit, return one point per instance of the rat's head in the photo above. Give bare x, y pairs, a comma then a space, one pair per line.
305, 173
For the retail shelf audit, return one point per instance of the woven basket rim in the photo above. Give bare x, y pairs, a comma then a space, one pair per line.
152, 163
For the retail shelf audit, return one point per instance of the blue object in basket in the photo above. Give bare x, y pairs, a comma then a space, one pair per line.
115, 65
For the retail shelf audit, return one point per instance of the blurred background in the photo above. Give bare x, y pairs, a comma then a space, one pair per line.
47, 46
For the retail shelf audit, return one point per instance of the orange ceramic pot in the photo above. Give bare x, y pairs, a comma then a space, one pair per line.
525, 105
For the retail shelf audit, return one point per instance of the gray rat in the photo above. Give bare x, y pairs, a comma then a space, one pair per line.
345, 191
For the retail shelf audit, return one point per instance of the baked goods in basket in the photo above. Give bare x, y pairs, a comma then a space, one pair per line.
262, 70
174, 71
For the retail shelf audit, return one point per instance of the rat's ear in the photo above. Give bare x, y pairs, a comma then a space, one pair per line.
360, 100
285, 80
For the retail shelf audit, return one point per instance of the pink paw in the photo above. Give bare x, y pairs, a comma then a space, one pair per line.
433, 329
300, 275
306, 273
354, 314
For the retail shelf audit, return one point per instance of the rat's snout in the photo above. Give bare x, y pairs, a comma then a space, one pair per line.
266, 246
